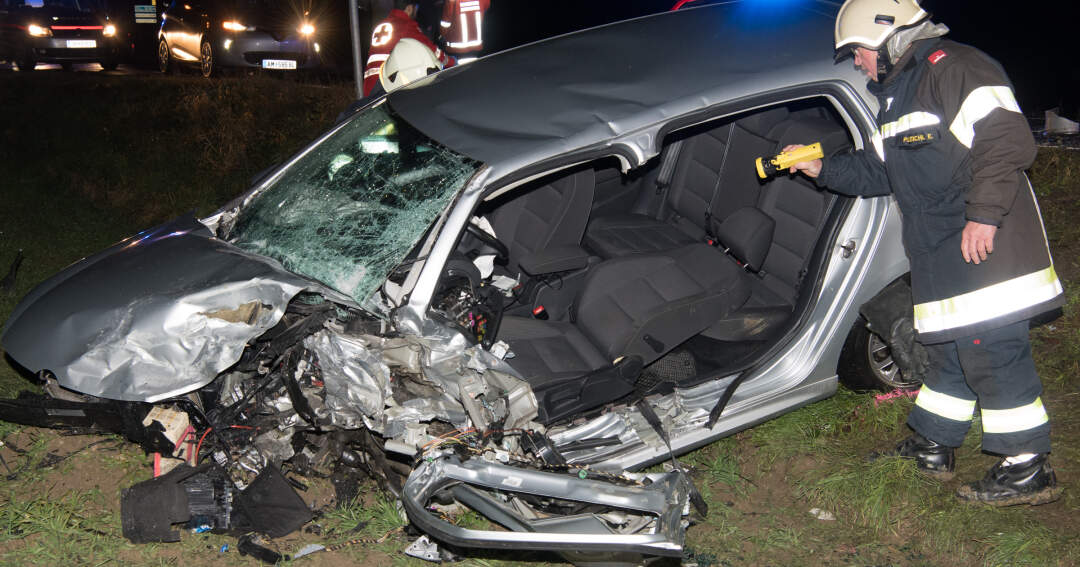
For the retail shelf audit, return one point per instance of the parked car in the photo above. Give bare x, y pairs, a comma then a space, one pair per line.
511, 284
245, 34
57, 31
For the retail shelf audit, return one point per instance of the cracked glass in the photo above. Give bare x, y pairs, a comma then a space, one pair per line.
349, 211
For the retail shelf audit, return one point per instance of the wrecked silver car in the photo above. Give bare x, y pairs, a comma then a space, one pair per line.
505, 288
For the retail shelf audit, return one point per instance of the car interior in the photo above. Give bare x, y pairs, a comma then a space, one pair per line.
686, 269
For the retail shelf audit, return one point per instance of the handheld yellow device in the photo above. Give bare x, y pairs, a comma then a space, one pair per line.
784, 160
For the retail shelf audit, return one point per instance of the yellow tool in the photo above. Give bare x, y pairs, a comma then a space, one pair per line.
784, 160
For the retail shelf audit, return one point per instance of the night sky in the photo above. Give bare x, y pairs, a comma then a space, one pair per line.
1036, 41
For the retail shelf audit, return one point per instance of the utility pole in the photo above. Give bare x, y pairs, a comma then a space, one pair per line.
358, 67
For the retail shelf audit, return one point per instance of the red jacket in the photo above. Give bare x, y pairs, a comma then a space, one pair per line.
461, 24
385, 36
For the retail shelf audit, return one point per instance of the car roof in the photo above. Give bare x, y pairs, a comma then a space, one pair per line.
540, 101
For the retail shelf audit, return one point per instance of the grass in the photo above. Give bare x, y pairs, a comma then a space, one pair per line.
57, 531
105, 157
381, 516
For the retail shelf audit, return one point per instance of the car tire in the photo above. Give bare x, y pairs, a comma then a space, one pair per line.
164, 56
110, 64
866, 363
25, 63
207, 65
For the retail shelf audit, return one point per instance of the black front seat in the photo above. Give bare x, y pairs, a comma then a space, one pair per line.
630, 312
548, 216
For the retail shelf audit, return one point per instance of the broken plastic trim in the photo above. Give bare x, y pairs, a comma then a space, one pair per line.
665, 499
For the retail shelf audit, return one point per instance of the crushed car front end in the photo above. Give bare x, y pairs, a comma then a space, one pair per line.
281, 332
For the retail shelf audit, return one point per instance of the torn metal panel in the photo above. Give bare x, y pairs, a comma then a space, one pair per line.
170, 310
474, 382
357, 380
647, 519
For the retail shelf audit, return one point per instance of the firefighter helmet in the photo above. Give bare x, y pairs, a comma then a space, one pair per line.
410, 60
869, 23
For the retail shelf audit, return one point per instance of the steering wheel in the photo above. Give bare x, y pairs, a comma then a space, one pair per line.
502, 253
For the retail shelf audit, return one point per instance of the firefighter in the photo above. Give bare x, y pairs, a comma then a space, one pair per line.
398, 24
409, 61
952, 147
460, 28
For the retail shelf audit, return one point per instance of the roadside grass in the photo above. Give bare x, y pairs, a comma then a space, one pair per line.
381, 516
827, 427
59, 530
100, 158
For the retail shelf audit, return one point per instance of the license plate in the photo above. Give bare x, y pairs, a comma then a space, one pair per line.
278, 64
81, 43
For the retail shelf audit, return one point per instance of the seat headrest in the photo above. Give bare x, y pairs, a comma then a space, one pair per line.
748, 234
833, 136
760, 123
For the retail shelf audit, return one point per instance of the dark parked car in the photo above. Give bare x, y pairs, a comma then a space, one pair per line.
57, 31
216, 34
512, 284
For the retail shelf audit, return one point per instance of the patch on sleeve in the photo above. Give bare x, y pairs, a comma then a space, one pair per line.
936, 56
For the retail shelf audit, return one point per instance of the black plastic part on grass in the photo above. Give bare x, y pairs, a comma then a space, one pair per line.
248, 545
272, 506
106, 416
205, 497
148, 510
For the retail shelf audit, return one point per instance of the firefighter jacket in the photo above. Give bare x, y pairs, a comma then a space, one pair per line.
461, 25
952, 146
385, 36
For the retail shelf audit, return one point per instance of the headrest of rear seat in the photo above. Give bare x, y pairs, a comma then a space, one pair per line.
760, 123
747, 233
833, 136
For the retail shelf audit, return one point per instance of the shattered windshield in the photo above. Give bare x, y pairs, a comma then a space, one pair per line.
350, 211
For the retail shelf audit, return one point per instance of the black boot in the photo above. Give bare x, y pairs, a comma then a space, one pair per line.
933, 459
1030, 482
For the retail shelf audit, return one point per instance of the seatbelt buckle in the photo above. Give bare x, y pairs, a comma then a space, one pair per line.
540, 313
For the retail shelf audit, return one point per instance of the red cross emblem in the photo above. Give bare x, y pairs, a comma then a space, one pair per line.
382, 34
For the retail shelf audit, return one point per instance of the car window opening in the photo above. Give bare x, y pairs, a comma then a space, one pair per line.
566, 231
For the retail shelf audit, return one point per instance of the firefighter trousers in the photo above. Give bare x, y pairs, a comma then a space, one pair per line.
995, 370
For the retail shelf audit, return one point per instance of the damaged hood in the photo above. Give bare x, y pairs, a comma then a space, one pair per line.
155, 316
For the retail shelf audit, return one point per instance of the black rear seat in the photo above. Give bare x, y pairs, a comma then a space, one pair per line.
714, 176
799, 211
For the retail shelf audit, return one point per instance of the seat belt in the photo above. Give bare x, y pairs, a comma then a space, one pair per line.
719, 176
663, 178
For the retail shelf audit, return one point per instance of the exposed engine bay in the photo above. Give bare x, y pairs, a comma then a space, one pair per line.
438, 420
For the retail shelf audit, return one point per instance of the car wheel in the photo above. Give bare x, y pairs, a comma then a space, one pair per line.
110, 64
866, 363
25, 63
164, 58
206, 59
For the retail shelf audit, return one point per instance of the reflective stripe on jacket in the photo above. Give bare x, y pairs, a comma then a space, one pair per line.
952, 146
462, 25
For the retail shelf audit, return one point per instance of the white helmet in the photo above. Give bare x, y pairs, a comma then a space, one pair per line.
869, 23
408, 61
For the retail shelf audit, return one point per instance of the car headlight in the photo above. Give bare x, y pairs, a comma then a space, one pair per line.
109, 31
234, 26
306, 29
38, 31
